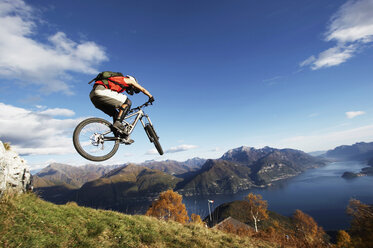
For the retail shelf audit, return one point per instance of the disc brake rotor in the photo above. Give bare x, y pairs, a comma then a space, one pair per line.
97, 139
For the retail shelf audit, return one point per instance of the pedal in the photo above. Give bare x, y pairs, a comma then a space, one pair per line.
127, 141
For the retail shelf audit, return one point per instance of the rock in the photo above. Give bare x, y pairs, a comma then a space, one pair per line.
15, 174
349, 175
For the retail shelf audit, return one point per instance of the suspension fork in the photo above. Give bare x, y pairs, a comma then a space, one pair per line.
147, 117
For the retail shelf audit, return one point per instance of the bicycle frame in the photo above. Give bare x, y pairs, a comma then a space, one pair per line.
140, 114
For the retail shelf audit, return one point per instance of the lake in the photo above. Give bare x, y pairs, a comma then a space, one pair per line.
322, 193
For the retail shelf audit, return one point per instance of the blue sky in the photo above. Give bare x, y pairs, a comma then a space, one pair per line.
294, 74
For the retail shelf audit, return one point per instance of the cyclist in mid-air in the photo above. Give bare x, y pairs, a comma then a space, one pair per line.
106, 96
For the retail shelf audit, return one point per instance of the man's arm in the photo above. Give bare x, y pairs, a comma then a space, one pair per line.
135, 84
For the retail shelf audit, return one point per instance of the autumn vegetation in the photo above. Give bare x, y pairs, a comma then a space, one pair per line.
257, 208
169, 206
360, 234
301, 230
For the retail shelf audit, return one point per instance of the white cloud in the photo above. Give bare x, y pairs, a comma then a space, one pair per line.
58, 112
334, 56
351, 27
180, 148
353, 22
32, 133
353, 114
31, 61
151, 152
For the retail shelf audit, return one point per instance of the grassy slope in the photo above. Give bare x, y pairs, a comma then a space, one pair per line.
27, 221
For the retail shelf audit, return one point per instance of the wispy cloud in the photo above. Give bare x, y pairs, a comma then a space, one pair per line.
351, 27
34, 133
180, 148
353, 114
272, 79
308, 61
313, 115
216, 149
45, 64
329, 140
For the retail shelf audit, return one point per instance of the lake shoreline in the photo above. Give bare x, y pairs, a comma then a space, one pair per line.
320, 192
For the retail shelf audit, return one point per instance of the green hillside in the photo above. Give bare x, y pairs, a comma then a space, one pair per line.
126, 189
27, 221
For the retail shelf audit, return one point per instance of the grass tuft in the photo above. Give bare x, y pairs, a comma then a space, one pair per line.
7, 146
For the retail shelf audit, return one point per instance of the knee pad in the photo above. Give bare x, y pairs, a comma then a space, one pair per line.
128, 102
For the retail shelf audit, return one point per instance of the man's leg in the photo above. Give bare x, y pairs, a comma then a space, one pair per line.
120, 117
123, 110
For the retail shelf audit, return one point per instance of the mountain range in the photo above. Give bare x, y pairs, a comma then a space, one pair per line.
60, 183
70, 176
246, 167
360, 151
127, 186
175, 167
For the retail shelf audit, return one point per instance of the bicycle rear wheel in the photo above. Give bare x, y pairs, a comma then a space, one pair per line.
153, 137
94, 139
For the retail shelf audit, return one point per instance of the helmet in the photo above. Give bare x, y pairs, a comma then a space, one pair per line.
132, 89
133, 78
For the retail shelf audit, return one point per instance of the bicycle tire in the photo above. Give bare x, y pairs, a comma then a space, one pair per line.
78, 143
153, 137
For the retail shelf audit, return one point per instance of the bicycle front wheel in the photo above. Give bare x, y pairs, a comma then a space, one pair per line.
153, 137
94, 139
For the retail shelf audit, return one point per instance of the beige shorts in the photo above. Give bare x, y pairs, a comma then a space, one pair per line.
107, 100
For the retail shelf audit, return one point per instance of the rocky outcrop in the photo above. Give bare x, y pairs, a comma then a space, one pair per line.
15, 175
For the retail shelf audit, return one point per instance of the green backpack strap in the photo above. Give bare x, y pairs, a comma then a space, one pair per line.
105, 81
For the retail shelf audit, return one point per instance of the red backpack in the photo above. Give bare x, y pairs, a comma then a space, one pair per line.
114, 81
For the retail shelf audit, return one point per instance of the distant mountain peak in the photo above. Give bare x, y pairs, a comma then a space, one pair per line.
241, 149
245, 154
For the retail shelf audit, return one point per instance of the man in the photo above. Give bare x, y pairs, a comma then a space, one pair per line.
106, 96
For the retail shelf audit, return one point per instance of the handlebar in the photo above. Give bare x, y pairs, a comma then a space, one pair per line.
140, 107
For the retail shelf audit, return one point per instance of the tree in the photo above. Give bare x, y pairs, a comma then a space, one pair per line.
307, 231
196, 219
169, 206
257, 208
362, 223
343, 239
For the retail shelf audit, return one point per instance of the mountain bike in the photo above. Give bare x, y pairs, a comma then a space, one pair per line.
97, 140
